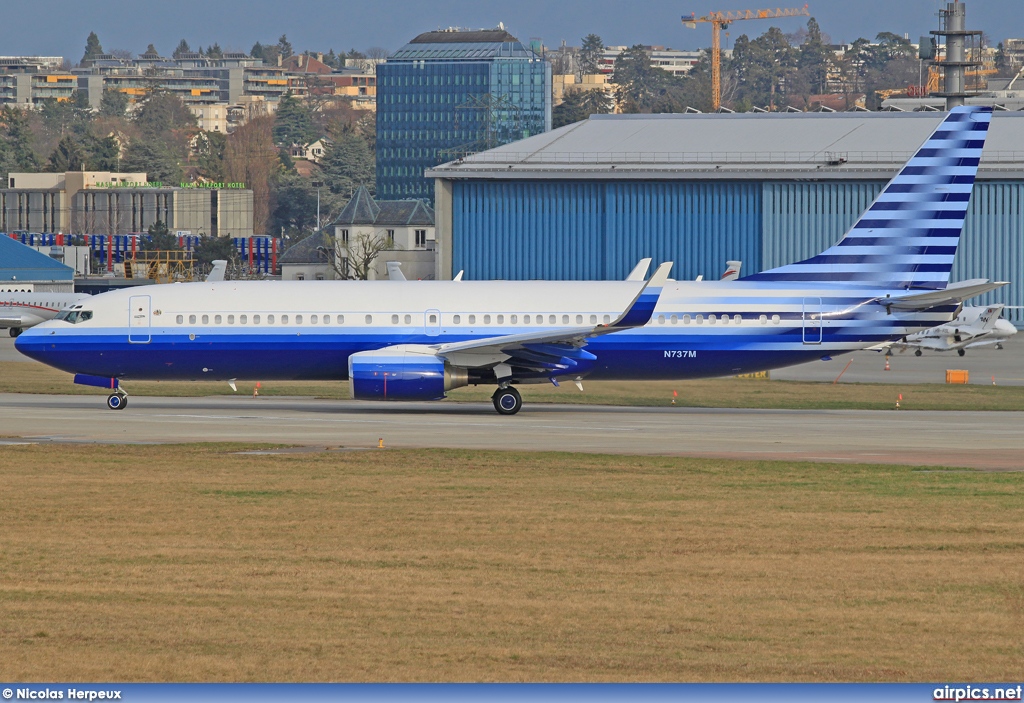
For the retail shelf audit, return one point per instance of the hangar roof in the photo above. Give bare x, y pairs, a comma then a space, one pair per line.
19, 263
827, 146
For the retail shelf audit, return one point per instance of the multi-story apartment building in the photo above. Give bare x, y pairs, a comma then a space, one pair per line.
452, 92
196, 79
675, 61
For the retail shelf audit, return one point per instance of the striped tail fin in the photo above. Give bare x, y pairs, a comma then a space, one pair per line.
909, 235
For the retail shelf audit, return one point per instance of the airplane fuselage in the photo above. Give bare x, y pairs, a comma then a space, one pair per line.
308, 330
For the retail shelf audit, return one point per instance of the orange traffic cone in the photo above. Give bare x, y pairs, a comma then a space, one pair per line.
886, 363
256, 389
898, 399
674, 396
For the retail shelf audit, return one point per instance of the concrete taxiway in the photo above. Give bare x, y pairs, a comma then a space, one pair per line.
996, 440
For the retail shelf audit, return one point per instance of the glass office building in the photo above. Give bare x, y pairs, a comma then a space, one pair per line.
450, 93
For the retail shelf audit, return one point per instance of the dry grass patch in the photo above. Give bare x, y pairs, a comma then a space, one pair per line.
198, 563
21, 377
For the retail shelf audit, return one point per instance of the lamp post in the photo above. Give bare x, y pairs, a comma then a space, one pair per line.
318, 185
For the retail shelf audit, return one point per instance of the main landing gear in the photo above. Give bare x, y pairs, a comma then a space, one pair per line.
117, 401
507, 400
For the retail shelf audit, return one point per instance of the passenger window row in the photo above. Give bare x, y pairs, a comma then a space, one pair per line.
432, 319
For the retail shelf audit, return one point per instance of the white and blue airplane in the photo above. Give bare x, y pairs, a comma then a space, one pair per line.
414, 340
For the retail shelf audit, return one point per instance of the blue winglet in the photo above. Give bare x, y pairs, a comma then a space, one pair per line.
641, 310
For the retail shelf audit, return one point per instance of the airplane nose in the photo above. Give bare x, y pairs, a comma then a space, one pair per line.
33, 343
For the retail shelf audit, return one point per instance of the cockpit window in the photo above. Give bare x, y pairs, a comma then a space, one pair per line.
74, 316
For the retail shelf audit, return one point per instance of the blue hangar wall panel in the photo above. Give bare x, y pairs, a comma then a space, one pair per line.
993, 244
802, 219
589, 230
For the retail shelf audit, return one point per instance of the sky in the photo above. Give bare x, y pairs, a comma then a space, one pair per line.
60, 27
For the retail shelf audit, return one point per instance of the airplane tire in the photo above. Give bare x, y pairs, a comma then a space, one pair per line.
507, 401
15, 331
917, 352
960, 352
116, 401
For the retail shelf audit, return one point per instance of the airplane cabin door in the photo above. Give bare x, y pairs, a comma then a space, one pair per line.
139, 319
812, 321
432, 322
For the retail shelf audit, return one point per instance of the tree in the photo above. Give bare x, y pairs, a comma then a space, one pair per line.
293, 123
16, 152
215, 52
641, 85
60, 118
160, 238
153, 158
114, 103
590, 54
250, 157
814, 59
211, 249
123, 54
355, 257
295, 209
183, 48
102, 153
92, 49
284, 47
348, 164
68, 156
579, 105
209, 148
164, 116
151, 50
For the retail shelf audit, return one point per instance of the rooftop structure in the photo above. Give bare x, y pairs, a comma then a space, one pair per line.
24, 268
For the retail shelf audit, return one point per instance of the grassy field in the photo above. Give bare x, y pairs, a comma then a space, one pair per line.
203, 563
21, 377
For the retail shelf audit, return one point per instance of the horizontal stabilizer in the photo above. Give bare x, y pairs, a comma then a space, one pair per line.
953, 295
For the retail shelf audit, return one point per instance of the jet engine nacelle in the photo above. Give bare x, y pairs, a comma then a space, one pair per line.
402, 372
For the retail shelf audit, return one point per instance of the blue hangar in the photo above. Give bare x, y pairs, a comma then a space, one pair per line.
588, 200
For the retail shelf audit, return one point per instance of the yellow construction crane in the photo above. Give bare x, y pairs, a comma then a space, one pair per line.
722, 20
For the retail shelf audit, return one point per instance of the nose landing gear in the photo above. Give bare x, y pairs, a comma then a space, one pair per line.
117, 401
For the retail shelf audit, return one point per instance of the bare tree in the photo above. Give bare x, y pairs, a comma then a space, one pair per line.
250, 157
122, 54
354, 258
377, 53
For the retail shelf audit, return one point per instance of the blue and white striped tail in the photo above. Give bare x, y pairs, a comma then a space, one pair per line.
909, 235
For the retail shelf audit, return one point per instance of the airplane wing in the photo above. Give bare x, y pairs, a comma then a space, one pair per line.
953, 294
554, 349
